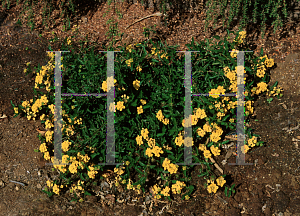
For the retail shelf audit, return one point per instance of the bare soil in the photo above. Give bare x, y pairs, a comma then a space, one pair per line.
270, 187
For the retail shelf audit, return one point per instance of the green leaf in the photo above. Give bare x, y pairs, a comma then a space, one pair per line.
87, 193
139, 171
142, 164
160, 134
134, 103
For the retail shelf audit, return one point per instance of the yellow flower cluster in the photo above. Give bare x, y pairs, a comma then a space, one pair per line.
166, 191
156, 150
43, 73
177, 187
153, 52
69, 41
139, 139
125, 98
215, 136
241, 37
43, 147
161, 118
120, 105
234, 53
274, 92
35, 108
251, 143
139, 68
129, 47
198, 114
119, 171
109, 82
55, 186
75, 164
156, 189
136, 84
78, 189
215, 150
140, 110
212, 187
65, 161
179, 140
261, 87
128, 62
215, 92
167, 165
92, 172
249, 108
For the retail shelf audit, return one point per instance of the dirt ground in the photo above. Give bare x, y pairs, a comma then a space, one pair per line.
270, 187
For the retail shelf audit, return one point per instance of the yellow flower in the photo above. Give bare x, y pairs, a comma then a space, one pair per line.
119, 171
234, 53
49, 183
252, 141
157, 150
201, 132
139, 140
212, 188
177, 187
245, 148
16, 110
151, 142
136, 84
145, 133
202, 147
215, 150
140, 109
47, 156
220, 181
128, 62
200, 113
269, 62
159, 115
207, 128
43, 147
104, 86
92, 172
69, 41
166, 191
143, 102
138, 68
149, 152
207, 154
56, 189
187, 197
179, 140
120, 105
165, 121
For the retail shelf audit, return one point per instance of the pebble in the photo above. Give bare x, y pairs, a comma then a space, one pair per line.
1, 183
104, 184
17, 188
39, 186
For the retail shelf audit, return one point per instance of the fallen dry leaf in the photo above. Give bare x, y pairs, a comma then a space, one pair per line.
4, 116
41, 132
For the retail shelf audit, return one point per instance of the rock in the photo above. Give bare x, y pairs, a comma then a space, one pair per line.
1, 183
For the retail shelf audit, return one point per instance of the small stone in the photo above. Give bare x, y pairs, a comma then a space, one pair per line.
39, 186
1, 183
17, 188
